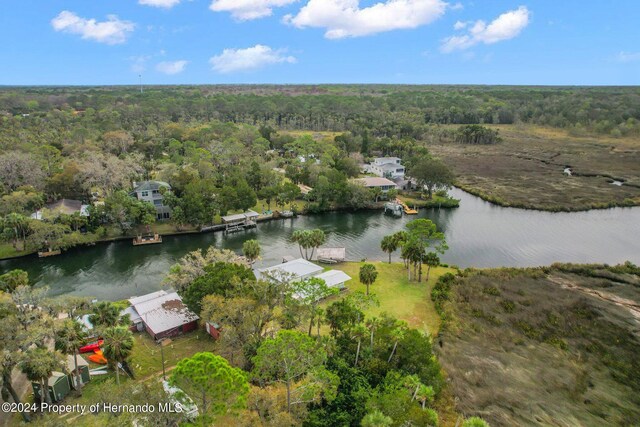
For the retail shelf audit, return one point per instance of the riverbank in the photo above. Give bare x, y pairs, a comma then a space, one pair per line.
167, 229
527, 169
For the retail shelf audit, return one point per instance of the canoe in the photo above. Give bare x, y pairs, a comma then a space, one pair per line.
90, 348
98, 358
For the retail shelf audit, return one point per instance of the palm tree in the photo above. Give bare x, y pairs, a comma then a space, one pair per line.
118, 343
424, 394
389, 244
38, 364
317, 239
18, 224
359, 332
373, 323
251, 250
397, 335
368, 275
68, 340
319, 318
432, 260
105, 315
376, 419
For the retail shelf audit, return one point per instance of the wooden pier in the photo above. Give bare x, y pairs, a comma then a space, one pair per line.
147, 240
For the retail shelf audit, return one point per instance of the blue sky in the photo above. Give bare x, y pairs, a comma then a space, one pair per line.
543, 42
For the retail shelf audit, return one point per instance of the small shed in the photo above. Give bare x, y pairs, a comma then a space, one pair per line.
164, 314
332, 255
83, 367
212, 329
58, 386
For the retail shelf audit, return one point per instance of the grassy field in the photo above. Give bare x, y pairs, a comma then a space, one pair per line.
409, 301
554, 346
526, 169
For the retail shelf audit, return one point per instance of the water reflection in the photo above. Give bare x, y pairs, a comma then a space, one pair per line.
479, 234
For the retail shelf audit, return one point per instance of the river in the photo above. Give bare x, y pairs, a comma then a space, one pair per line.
479, 234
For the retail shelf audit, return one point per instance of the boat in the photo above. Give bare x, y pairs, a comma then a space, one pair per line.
286, 214
44, 254
90, 348
98, 357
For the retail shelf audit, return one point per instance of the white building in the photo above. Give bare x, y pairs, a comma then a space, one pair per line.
388, 167
301, 269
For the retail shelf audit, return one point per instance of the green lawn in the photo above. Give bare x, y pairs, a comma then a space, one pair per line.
409, 301
7, 251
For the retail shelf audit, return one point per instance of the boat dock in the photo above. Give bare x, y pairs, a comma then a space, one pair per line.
240, 222
406, 208
147, 240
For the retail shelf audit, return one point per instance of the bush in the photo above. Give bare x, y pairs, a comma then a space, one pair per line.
475, 422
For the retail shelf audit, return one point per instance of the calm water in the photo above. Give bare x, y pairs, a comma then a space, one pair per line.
478, 233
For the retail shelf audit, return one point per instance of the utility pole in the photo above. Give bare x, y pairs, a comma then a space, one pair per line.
140, 77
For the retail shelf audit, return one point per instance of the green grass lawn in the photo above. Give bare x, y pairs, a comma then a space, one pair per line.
409, 301
8, 251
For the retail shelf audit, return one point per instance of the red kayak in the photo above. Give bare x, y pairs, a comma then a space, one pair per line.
90, 348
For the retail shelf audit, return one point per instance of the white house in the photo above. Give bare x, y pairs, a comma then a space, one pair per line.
301, 269
387, 167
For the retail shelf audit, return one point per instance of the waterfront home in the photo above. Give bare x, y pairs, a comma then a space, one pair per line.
152, 192
383, 184
301, 269
290, 271
387, 167
60, 207
164, 314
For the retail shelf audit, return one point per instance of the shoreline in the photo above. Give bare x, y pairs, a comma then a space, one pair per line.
216, 228
558, 209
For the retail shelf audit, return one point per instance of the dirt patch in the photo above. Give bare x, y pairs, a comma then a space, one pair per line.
545, 347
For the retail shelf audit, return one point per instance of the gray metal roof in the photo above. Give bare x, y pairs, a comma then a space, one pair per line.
292, 270
334, 278
162, 311
150, 186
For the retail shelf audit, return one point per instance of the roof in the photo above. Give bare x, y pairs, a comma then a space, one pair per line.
55, 377
148, 297
332, 253
149, 186
295, 269
390, 166
241, 216
71, 366
371, 181
64, 206
133, 314
334, 277
387, 159
162, 311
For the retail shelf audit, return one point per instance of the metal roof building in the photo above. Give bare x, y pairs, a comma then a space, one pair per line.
292, 270
164, 314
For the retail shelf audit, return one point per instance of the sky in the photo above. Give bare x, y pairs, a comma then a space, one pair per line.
115, 42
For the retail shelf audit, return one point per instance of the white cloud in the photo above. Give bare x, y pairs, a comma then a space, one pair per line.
251, 58
459, 25
628, 56
504, 27
245, 10
456, 6
345, 18
165, 4
111, 31
172, 67
139, 63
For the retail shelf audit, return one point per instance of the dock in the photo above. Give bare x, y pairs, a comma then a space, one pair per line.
331, 255
240, 222
407, 209
44, 254
147, 240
